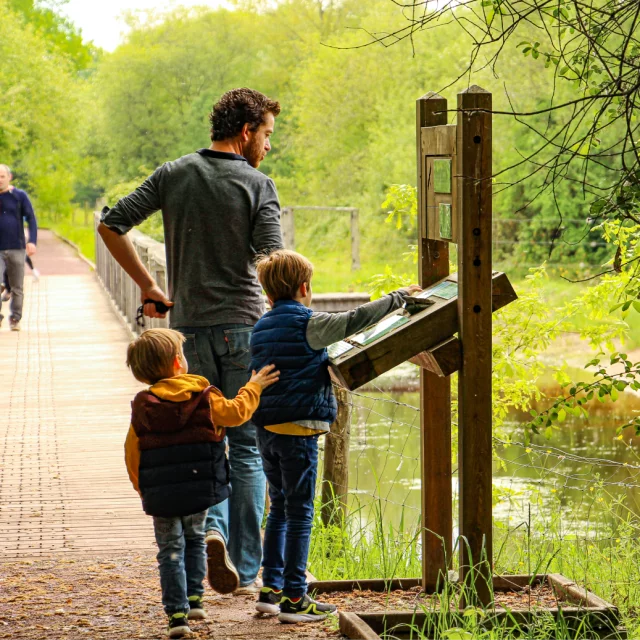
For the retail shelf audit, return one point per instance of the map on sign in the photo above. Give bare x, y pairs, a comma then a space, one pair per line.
378, 330
446, 290
338, 349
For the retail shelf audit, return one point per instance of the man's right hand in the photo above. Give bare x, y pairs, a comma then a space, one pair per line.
154, 293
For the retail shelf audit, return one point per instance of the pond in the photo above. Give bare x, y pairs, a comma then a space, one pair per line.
583, 478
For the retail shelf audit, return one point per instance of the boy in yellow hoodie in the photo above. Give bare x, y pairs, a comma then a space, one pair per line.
176, 460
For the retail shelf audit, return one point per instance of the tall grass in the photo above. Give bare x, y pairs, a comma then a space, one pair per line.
605, 560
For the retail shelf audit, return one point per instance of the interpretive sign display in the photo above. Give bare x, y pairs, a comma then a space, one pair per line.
401, 336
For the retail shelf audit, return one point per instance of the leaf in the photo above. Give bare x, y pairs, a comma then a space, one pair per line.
562, 414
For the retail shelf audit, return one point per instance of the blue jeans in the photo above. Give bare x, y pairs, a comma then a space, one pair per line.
221, 354
182, 559
291, 466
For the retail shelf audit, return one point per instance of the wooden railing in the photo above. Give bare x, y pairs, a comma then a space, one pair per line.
126, 295
124, 292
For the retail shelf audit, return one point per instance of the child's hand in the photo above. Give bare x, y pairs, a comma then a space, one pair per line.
411, 289
266, 376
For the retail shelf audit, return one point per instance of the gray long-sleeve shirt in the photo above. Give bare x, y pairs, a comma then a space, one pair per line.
324, 329
218, 214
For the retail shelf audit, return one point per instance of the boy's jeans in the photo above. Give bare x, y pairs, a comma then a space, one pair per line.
182, 559
221, 354
12, 265
291, 466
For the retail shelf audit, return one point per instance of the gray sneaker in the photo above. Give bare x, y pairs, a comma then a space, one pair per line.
5, 293
14, 325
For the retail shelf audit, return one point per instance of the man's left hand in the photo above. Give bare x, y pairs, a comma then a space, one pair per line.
31, 249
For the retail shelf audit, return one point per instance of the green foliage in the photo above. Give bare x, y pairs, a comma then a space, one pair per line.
61, 36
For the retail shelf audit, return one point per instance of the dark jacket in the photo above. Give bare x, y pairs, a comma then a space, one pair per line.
15, 208
183, 467
304, 391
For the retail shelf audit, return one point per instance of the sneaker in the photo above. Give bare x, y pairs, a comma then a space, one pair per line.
36, 275
178, 625
249, 589
221, 573
196, 610
269, 601
6, 293
305, 609
14, 325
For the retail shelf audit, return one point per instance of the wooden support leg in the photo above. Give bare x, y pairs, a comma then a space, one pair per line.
474, 317
437, 521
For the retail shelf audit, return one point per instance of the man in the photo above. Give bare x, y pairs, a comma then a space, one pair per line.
15, 208
219, 213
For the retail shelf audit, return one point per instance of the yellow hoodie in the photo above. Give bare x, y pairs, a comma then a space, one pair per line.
224, 412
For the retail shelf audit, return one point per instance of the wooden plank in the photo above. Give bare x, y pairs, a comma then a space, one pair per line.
443, 360
435, 392
475, 323
368, 584
439, 139
424, 330
355, 628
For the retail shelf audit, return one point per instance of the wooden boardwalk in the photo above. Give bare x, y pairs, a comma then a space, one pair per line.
65, 396
76, 550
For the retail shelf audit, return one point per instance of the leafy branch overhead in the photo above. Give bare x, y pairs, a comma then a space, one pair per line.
587, 135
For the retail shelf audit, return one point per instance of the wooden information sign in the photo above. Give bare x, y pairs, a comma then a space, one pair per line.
400, 337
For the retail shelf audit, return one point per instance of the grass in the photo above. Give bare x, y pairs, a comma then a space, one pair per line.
608, 564
83, 237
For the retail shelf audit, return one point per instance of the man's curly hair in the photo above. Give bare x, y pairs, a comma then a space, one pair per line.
237, 108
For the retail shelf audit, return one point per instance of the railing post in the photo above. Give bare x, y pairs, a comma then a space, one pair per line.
335, 481
288, 228
355, 240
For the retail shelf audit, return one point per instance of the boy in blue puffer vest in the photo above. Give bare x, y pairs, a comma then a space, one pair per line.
291, 417
176, 459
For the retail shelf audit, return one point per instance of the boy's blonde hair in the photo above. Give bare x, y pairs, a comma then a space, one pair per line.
150, 356
282, 272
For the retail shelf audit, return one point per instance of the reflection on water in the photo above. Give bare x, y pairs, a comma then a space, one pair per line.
577, 474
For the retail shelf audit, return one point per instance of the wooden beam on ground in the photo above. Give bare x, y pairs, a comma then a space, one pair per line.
474, 314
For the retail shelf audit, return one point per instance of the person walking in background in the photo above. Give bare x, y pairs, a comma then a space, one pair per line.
15, 209
219, 212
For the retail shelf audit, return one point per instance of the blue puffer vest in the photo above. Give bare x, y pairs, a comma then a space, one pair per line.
304, 390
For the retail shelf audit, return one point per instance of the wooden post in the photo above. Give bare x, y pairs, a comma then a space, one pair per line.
355, 240
474, 314
335, 480
288, 228
435, 392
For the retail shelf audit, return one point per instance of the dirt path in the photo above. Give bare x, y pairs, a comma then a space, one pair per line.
119, 597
